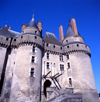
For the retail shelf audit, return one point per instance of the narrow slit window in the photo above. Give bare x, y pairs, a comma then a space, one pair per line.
47, 65
70, 82
68, 65
47, 55
67, 56
33, 59
33, 49
32, 72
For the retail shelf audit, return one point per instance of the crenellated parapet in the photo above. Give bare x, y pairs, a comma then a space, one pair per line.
4, 41
54, 49
27, 39
31, 30
77, 47
72, 39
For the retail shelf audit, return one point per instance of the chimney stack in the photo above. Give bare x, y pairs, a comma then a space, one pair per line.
23, 26
9, 27
39, 25
61, 33
74, 27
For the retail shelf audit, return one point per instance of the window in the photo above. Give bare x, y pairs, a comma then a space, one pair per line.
61, 67
33, 49
67, 46
14, 39
35, 37
21, 36
68, 65
47, 45
32, 72
47, 65
70, 82
67, 56
53, 46
47, 55
7, 39
85, 45
61, 57
35, 32
33, 59
61, 48
77, 45
67, 41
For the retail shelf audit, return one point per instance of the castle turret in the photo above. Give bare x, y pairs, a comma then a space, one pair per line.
79, 70
27, 70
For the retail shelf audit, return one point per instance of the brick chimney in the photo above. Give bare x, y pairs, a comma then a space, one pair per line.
61, 33
23, 26
74, 27
39, 25
9, 27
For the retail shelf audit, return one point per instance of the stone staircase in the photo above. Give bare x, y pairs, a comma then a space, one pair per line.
67, 95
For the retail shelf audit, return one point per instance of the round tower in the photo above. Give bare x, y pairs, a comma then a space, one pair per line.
79, 68
26, 85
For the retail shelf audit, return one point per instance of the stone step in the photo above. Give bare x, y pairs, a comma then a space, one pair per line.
73, 97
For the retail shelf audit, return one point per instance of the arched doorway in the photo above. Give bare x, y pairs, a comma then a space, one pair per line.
47, 83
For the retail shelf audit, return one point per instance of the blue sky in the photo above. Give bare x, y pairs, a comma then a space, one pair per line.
53, 13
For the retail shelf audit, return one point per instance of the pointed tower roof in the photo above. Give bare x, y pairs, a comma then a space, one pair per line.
32, 23
51, 38
69, 31
9, 33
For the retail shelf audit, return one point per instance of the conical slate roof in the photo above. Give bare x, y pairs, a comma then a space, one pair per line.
32, 23
69, 31
9, 33
51, 38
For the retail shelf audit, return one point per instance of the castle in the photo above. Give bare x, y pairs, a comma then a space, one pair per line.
43, 69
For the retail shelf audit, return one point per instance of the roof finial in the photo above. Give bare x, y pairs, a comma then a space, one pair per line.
46, 29
6, 24
33, 13
69, 18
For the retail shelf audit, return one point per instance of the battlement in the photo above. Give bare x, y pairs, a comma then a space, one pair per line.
77, 47
53, 48
27, 39
4, 41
